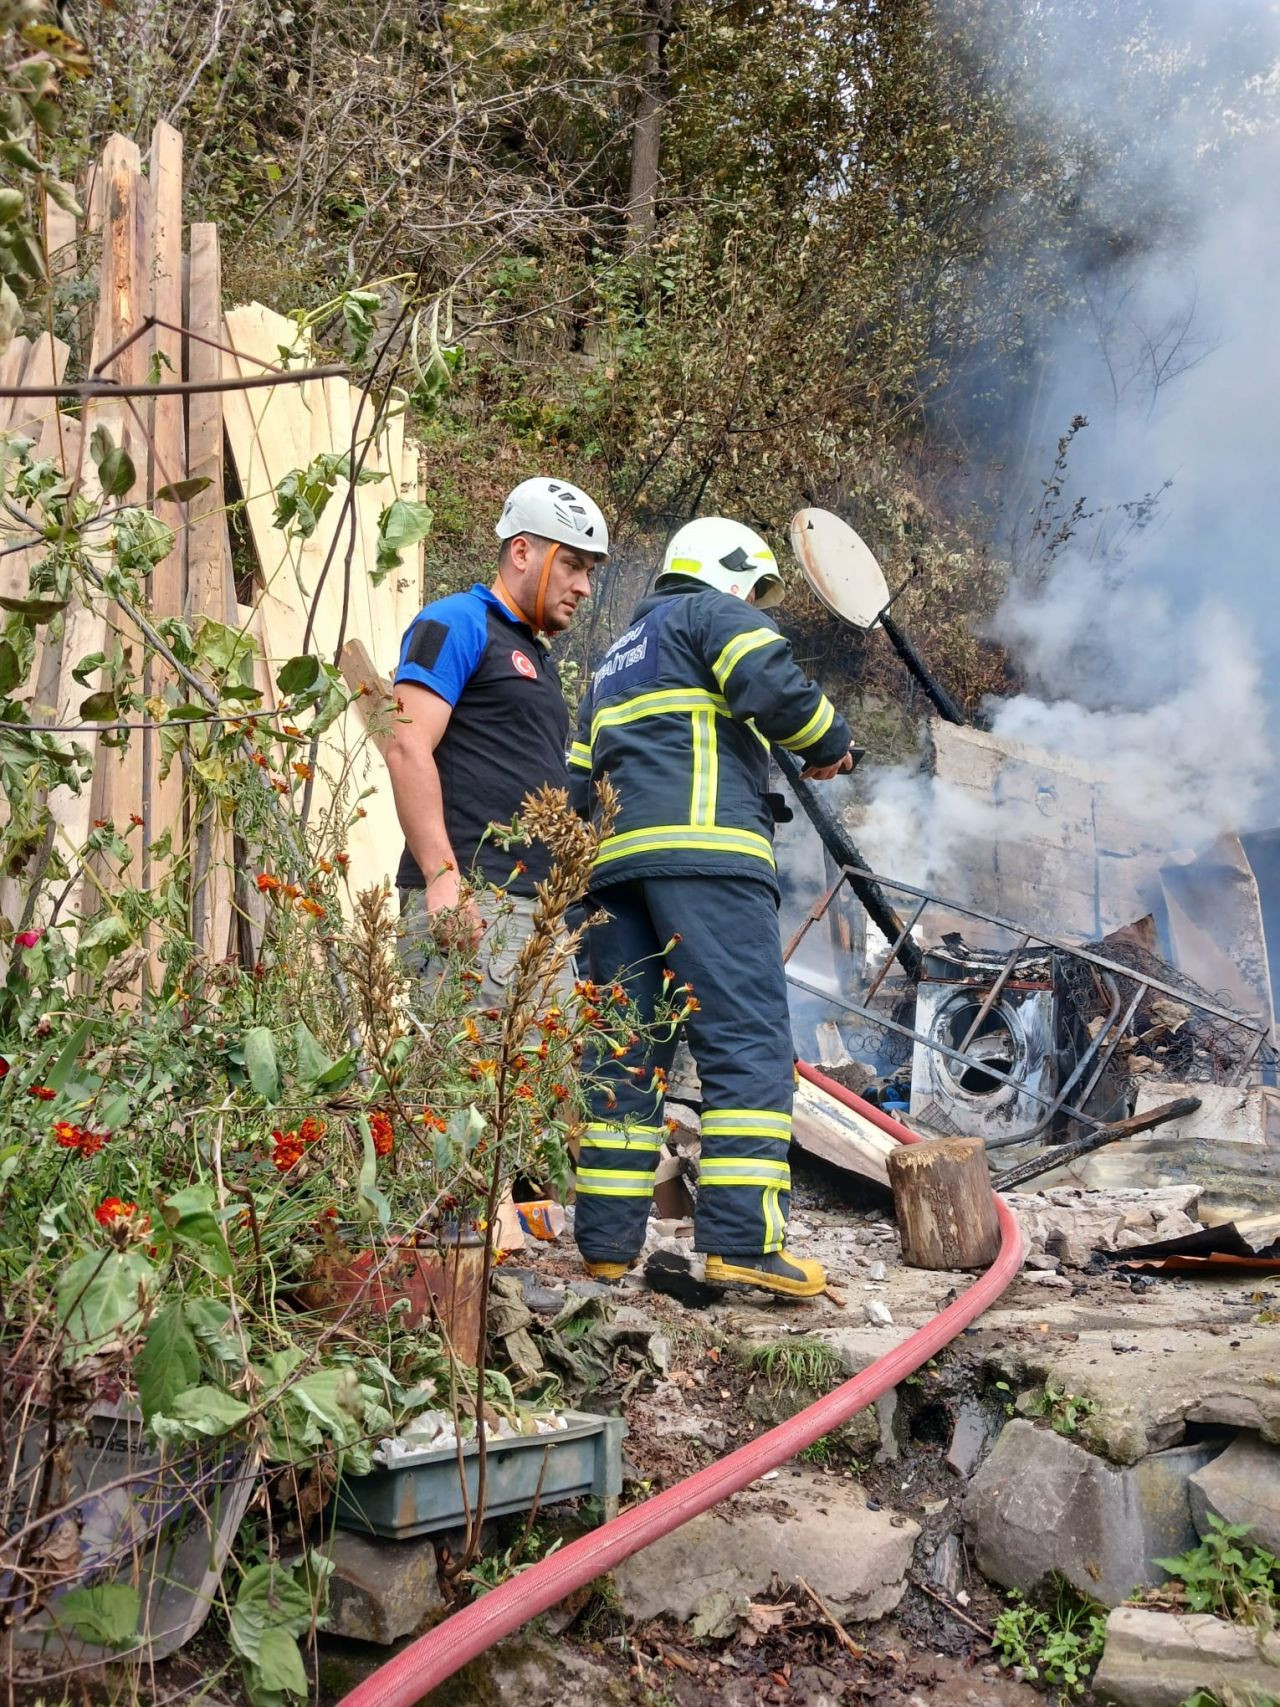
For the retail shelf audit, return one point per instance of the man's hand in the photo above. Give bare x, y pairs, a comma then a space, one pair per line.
824, 773
455, 922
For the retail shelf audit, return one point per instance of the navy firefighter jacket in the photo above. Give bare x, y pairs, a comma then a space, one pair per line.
680, 715
505, 738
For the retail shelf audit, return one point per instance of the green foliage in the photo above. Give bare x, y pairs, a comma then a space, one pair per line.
275, 1605
106, 1613
1228, 1576
1059, 1642
809, 1364
1063, 1411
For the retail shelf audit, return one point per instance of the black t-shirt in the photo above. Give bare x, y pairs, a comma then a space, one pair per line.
506, 737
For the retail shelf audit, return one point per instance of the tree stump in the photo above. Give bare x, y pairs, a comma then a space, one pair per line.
942, 1199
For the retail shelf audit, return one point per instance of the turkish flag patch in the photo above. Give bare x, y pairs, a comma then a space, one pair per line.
524, 665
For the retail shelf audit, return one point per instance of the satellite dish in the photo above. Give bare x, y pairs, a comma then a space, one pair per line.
839, 567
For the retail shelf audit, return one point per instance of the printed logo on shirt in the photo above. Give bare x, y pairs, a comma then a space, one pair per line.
632, 660
524, 666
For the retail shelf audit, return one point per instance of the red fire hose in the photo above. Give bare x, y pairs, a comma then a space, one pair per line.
407, 1678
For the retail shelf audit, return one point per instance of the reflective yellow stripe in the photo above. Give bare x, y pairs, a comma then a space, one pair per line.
758, 1182
778, 1170
620, 1141
702, 804
751, 1122
657, 704
737, 650
814, 729
684, 566
580, 755
700, 838
614, 1182
775, 1226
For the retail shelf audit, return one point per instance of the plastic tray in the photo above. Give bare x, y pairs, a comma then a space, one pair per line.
421, 1498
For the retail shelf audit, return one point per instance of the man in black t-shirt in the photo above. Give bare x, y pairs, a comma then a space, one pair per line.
485, 722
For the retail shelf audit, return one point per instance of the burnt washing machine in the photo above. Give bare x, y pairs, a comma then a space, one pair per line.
1019, 1038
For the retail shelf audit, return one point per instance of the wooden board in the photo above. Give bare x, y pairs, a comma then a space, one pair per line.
209, 588
165, 797
823, 1126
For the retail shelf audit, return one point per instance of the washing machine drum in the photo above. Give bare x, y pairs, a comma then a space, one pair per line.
1013, 1041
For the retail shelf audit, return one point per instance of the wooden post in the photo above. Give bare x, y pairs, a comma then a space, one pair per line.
209, 587
163, 809
943, 1203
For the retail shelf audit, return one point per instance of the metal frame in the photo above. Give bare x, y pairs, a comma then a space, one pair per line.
1113, 1029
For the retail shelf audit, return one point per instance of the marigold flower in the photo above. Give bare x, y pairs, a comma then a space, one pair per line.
325, 865
290, 729
136, 820
525, 1092
66, 1135
42, 1093
382, 1132
692, 1005
290, 891
342, 860
311, 1129
261, 760
113, 1209
267, 883
618, 995
312, 907
302, 771
560, 1092
279, 786
101, 823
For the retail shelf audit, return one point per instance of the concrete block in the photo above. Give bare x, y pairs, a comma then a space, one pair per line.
1241, 1486
381, 1590
803, 1525
1041, 1504
1227, 1113
1161, 1659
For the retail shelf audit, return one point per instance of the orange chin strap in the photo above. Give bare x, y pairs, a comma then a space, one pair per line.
537, 621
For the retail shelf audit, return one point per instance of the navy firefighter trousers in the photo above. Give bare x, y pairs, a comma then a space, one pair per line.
720, 936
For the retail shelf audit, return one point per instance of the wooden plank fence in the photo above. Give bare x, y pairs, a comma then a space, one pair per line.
160, 314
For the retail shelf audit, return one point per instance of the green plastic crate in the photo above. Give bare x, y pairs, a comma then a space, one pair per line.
580, 1461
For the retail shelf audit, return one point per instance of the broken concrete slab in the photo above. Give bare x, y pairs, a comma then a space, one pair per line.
1177, 1374
803, 1525
1041, 1505
1161, 1659
381, 1590
1228, 1114
1070, 1224
528, 1671
1241, 1486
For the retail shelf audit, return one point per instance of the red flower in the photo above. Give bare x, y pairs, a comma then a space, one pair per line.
266, 882
288, 1150
27, 939
113, 1209
304, 773
383, 1132
343, 860
42, 1093
311, 1129
4, 1067
69, 1137
136, 821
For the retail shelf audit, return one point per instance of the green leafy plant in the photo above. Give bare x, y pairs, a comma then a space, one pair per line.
809, 1364
1063, 1411
1059, 1642
1229, 1576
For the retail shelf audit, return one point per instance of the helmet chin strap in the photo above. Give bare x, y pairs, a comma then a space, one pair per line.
537, 621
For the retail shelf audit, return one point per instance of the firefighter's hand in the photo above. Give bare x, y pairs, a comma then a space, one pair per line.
455, 923
824, 773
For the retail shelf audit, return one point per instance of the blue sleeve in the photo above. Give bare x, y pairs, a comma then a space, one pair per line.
443, 645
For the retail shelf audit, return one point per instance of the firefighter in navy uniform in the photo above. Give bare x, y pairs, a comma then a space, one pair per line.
680, 715
485, 722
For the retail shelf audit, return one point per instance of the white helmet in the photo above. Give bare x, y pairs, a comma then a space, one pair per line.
554, 511
726, 555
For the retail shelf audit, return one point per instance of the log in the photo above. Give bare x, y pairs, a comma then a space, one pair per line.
943, 1203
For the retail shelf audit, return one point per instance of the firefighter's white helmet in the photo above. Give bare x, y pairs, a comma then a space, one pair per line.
555, 511
725, 555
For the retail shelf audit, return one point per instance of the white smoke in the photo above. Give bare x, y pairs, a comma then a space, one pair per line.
1150, 641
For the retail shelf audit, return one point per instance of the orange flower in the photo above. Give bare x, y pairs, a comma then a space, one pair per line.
325, 865
290, 891
619, 995
342, 860
382, 1131
312, 907
261, 760
303, 772
311, 1129
279, 786
266, 882
136, 821
101, 823
433, 1121
290, 729
113, 1209
560, 1092
42, 1093
69, 1137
